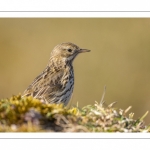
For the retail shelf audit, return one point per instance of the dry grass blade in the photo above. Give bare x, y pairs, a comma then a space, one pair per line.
127, 109
102, 99
110, 105
131, 115
141, 119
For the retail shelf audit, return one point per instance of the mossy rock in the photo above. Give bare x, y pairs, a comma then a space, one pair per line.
27, 114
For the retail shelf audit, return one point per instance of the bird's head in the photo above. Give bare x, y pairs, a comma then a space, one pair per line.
67, 51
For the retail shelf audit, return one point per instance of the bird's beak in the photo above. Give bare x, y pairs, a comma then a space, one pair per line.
84, 50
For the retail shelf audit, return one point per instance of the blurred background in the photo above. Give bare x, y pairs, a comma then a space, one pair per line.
119, 57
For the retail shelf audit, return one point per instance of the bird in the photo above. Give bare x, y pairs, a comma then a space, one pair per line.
56, 83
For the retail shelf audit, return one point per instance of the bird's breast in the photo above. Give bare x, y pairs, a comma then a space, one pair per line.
64, 94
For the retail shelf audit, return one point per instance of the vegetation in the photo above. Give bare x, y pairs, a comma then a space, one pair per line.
30, 115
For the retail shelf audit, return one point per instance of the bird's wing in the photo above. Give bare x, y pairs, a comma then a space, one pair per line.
46, 81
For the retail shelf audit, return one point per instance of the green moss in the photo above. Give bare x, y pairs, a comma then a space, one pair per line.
30, 115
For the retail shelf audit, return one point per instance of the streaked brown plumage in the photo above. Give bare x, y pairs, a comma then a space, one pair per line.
55, 84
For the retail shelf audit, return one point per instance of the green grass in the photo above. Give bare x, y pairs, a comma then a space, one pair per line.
30, 115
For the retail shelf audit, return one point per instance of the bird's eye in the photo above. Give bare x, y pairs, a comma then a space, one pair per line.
69, 50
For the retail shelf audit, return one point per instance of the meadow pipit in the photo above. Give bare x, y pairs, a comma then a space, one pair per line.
55, 84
